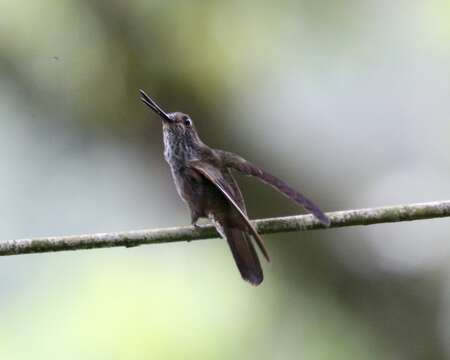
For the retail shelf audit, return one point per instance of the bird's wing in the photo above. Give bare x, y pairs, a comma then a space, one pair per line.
240, 164
215, 176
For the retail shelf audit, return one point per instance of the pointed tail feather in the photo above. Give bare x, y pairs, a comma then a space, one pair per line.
243, 251
245, 256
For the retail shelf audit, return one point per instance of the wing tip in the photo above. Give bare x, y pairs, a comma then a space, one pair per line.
324, 220
266, 255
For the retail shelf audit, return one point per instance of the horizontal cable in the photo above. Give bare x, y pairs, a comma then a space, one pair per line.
368, 216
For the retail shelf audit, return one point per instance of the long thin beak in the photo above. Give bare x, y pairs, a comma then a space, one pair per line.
154, 106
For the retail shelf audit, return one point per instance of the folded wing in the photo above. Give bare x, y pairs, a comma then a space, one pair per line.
215, 176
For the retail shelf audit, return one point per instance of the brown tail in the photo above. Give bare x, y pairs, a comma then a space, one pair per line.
244, 255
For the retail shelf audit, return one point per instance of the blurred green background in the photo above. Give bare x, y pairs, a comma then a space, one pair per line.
347, 100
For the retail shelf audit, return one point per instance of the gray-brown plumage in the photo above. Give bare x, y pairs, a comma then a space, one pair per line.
204, 181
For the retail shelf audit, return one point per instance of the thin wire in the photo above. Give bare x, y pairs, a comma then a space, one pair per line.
370, 216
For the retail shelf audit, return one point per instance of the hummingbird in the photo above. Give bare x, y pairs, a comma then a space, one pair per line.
204, 181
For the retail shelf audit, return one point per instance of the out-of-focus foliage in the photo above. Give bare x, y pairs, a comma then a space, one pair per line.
346, 100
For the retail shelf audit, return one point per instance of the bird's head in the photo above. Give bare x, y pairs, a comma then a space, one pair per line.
176, 123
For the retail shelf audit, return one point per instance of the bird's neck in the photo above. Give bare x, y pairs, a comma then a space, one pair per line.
179, 150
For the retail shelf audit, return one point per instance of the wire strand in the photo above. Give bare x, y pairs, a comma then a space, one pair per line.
369, 216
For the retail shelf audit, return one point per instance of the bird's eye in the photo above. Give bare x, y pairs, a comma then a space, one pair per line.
187, 121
